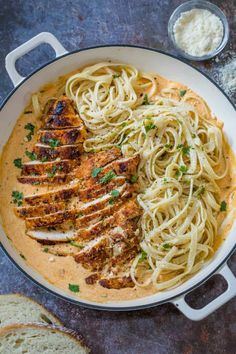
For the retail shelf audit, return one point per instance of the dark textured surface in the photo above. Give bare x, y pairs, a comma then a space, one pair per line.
78, 24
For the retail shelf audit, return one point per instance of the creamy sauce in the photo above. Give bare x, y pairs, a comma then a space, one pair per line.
61, 271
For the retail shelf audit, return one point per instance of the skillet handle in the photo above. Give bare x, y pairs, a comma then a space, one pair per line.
199, 314
43, 37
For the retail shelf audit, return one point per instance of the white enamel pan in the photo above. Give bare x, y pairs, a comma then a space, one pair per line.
151, 61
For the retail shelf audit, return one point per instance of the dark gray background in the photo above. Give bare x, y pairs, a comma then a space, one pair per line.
79, 24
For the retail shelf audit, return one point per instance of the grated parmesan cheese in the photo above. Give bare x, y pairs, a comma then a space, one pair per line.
198, 32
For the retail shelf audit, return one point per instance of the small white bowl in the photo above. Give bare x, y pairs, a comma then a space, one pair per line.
199, 4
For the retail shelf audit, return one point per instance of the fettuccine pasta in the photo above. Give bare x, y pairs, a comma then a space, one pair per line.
182, 160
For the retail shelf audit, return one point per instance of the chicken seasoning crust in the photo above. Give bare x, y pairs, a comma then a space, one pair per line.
95, 220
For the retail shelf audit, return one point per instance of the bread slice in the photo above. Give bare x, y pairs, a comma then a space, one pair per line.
16, 308
36, 339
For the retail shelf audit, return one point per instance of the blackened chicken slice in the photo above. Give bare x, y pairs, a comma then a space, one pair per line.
98, 252
94, 256
47, 236
117, 282
64, 248
51, 220
38, 168
52, 197
65, 152
61, 114
69, 136
72, 214
39, 210
128, 211
124, 167
90, 161
49, 179
98, 189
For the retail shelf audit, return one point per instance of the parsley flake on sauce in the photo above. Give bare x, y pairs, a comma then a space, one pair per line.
31, 128
17, 197
18, 163
74, 288
31, 155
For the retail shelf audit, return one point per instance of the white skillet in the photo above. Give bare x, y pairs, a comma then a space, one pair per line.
151, 61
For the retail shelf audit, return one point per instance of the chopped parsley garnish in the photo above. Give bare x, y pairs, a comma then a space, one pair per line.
167, 246
74, 288
52, 173
180, 146
223, 206
168, 146
17, 197
124, 124
95, 172
143, 257
44, 159
54, 142
46, 249
149, 127
116, 76
186, 150
193, 136
107, 177
182, 92
18, 163
31, 155
133, 178
200, 191
79, 215
22, 256
75, 244
165, 180
145, 99
183, 169
31, 128
115, 193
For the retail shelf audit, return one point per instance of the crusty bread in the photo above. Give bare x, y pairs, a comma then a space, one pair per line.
16, 308
36, 339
